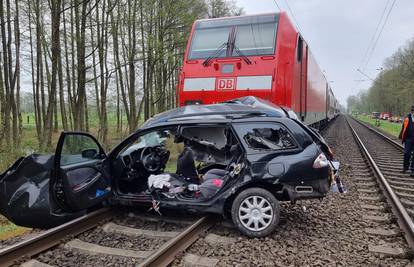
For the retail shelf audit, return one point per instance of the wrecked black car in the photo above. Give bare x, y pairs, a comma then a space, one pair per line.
238, 159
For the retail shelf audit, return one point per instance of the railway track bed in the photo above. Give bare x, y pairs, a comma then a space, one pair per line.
357, 228
124, 240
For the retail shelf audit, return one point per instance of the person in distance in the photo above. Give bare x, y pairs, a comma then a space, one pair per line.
407, 137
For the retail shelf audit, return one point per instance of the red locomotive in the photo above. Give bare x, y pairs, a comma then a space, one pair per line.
259, 55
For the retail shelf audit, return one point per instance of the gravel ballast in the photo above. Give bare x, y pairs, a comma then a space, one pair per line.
313, 232
328, 232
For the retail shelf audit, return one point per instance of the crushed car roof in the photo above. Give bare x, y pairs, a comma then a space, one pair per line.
236, 108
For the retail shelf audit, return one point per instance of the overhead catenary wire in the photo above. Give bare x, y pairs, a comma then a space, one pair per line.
371, 41
380, 33
293, 16
375, 38
277, 5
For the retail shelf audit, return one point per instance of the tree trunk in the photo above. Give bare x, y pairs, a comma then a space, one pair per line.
6, 118
80, 25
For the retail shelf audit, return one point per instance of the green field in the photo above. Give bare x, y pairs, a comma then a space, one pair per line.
29, 143
389, 127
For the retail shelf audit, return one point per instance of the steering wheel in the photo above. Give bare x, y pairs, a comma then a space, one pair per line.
150, 159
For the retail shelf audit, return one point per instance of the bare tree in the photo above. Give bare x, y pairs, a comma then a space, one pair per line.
91, 57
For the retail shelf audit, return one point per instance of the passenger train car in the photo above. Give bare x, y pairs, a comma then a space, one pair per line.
258, 55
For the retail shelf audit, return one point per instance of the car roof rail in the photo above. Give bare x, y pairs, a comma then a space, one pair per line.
226, 114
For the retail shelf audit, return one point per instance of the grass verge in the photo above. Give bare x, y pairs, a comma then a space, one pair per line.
9, 230
389, 127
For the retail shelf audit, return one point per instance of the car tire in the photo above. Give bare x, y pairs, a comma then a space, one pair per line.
255, 212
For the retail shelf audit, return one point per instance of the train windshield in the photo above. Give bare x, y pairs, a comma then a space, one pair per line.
254, 36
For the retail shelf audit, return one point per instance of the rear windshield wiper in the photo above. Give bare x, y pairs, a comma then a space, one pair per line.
216, 53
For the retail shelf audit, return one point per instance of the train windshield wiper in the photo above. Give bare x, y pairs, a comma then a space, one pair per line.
215, 54
230, 46
220, 49
243, 56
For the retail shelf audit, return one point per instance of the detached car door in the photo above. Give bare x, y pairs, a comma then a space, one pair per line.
81, 177
43, 191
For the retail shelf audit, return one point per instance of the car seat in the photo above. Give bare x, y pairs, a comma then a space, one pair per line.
220, 173
186, 166
215, 178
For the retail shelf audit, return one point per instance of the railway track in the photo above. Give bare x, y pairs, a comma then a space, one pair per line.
87, 235
50, 238
384, 156
351, 229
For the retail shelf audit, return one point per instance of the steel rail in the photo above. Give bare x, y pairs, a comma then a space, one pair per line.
167, 252
52, 237
403, 218
388, 139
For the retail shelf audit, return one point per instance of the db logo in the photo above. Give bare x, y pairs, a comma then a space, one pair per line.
226, 83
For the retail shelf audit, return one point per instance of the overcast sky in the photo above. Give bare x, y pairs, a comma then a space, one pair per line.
339, 32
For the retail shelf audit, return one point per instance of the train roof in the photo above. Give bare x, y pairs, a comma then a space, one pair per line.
242, 16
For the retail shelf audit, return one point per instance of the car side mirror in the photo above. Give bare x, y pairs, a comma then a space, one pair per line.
89, 153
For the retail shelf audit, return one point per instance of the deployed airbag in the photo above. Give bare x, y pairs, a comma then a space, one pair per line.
159, 181
166, 182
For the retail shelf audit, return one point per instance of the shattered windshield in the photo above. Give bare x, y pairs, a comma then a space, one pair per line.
150, 139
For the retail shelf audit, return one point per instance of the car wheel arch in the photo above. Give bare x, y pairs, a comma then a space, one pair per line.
275, 189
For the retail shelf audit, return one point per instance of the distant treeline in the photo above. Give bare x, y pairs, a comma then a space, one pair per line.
123, 52
393, 88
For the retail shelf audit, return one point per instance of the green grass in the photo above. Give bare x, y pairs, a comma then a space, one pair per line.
388, 127
9, 230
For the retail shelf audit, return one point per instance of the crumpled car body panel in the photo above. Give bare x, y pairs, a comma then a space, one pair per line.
24, 193
30, 196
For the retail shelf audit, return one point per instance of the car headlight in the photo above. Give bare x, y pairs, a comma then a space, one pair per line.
320, 162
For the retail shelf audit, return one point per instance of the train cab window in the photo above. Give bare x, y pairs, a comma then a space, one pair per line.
266, 137
206, 41
255, 35
256, 39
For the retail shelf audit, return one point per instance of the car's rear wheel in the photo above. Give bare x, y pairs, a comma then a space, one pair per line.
255, 212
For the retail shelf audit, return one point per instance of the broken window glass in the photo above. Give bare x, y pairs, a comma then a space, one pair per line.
263, 137
208, 136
